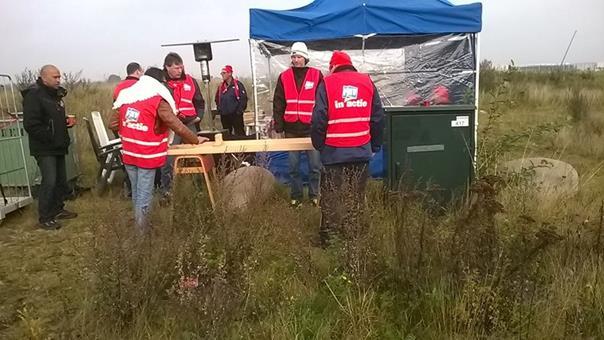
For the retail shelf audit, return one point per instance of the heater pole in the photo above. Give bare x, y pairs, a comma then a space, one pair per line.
209, 105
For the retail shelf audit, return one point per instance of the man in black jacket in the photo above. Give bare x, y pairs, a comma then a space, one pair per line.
46, 124
231, 101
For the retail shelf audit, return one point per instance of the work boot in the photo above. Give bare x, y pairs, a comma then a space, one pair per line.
295, 203
49, 225
65, 215
315, 202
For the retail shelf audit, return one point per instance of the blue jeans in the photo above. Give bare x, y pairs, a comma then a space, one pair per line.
166, 170
314, 174
142, 181
53, 187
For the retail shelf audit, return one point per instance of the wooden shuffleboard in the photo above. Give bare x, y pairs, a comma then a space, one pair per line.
242, 146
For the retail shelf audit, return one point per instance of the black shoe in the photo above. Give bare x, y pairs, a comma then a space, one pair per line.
49, 225
165, 199
65, 215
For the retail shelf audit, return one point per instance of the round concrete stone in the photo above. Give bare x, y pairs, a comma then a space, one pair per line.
246, 185
550, 176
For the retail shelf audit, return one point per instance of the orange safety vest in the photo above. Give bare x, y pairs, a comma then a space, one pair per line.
183, 91
350, 98
142, 146
299, 105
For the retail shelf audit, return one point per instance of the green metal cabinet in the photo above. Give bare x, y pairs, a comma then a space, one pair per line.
430, 148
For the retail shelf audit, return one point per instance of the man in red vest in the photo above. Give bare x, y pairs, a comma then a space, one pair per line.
147, 112
189, 103
293, 103
347, 129
134, 71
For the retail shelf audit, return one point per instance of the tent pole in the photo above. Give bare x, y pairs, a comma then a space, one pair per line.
476, 101
253, 63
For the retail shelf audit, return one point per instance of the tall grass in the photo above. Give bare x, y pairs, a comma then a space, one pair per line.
489, 270
500, 265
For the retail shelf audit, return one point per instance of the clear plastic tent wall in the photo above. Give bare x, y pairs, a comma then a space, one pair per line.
407, 70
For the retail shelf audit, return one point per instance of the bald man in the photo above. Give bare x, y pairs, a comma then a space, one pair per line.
45, 121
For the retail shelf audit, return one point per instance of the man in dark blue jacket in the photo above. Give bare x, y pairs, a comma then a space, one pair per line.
347, 129
46, 124
231, 102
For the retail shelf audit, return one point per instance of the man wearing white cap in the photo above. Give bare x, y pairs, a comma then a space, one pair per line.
293, 104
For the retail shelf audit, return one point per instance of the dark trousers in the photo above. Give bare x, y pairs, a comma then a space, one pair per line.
342, 197
53, 187
233, 123
126, 185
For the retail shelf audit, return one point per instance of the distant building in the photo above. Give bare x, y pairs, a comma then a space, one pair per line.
600, 66
545, 67
586, 66
557, 67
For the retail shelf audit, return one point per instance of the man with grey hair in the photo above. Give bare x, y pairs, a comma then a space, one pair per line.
46, 124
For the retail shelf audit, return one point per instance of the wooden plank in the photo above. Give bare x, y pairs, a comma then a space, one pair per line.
242, 146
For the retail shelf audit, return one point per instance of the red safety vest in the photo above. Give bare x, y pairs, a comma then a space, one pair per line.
299, 105
441, 95
124, 84
183, 91
350, 98
141, 145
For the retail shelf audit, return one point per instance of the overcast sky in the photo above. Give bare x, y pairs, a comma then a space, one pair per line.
102, 36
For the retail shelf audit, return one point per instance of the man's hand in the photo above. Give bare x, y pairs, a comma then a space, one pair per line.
202, 140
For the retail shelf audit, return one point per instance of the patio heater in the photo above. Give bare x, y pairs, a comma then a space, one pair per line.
202, 50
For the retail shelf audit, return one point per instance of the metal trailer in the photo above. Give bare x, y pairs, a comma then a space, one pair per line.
15, 188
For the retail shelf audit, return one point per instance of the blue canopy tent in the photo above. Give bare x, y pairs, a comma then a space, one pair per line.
406, 46
325, 19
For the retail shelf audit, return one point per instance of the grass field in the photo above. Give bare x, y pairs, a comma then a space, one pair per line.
507, 264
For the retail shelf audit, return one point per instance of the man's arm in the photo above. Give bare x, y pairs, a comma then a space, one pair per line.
242, 98
168, 117
114, 121
34, 121
279, 106
198, 101
376, 122
320, 77
318, 128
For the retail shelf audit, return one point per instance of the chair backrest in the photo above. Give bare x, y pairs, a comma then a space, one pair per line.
99, 127
93, 140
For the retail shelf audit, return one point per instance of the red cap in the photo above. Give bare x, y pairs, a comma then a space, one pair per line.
228, 69
339, 58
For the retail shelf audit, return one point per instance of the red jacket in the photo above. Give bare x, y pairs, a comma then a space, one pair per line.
350, 100
299, 105
129, 81
183, 91
143, 144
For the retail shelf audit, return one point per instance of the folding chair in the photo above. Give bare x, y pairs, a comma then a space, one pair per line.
104, 141
108, 156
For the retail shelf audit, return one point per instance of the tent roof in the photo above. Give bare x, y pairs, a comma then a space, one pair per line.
329, 19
